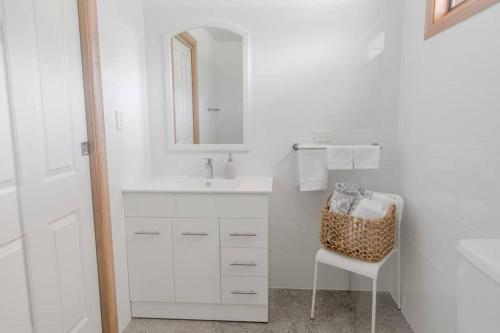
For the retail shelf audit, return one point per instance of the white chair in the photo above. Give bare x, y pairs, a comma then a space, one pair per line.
370, 270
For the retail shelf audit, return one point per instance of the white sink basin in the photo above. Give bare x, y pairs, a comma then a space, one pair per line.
258, 185
202, 183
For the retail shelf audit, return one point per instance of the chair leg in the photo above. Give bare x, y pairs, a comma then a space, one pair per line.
400, 302
374, 306
314, 288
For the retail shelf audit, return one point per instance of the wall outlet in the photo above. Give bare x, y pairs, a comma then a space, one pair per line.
119, 120
322, 136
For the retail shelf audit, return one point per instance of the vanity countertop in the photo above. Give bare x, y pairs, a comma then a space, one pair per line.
241, 185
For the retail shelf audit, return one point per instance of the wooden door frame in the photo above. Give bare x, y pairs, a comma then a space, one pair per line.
187, 39
91, 67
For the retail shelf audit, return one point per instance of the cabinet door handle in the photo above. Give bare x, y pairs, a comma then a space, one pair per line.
243, 292
195, 234
241, 234
146, 232
237, 263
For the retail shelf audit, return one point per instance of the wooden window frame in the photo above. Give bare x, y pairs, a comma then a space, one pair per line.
440, 16
187, 39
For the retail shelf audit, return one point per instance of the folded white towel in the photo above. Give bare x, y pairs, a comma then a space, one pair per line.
339, 157
366, 157
369, 209
312, 172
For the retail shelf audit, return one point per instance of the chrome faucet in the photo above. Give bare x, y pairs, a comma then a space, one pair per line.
209, 165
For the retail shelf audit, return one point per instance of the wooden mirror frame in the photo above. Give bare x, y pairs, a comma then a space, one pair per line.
440, 16
187, 39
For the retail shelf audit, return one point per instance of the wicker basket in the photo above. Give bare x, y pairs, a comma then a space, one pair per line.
367, 240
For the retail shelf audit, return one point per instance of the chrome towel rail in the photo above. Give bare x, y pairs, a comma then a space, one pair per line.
297, 146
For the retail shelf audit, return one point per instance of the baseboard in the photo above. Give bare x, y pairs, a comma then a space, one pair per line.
224, 312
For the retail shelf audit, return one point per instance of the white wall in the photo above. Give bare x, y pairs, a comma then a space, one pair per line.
124, 87
313, 67
449, 147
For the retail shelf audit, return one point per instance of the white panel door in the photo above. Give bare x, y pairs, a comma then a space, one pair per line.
14, 300
44, 79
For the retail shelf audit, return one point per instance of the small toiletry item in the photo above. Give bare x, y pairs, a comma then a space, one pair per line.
230, 172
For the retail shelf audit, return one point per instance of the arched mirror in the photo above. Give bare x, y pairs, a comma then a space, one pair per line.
209, 80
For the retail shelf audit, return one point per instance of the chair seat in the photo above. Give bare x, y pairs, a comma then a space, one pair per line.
364, 268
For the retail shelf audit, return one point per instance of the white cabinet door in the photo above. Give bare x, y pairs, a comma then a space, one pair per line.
196, 260
150, 259
45, 85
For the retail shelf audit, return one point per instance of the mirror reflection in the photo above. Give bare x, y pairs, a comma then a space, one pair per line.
207, 80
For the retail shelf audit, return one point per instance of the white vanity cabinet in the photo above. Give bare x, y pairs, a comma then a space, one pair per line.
195, 255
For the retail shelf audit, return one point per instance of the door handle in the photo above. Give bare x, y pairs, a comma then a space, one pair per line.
243, 292
147, 233
236, 263
240, 234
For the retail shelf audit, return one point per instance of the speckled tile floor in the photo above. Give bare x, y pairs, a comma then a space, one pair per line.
336, 312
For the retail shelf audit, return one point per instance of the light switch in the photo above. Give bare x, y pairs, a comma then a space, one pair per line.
322, 136
119, 120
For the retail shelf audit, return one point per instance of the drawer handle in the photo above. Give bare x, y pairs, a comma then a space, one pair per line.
147, 233
195, 234
243, 292
239, 234
236, 263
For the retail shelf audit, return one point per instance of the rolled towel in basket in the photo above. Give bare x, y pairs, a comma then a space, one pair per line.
385, 200
344, 197
370, 209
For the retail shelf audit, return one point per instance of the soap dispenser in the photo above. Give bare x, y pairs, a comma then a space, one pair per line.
230, 172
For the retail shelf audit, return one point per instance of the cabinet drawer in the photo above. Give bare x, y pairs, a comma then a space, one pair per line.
244, 290
244, 262
196, 260
150, 260
243, 233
